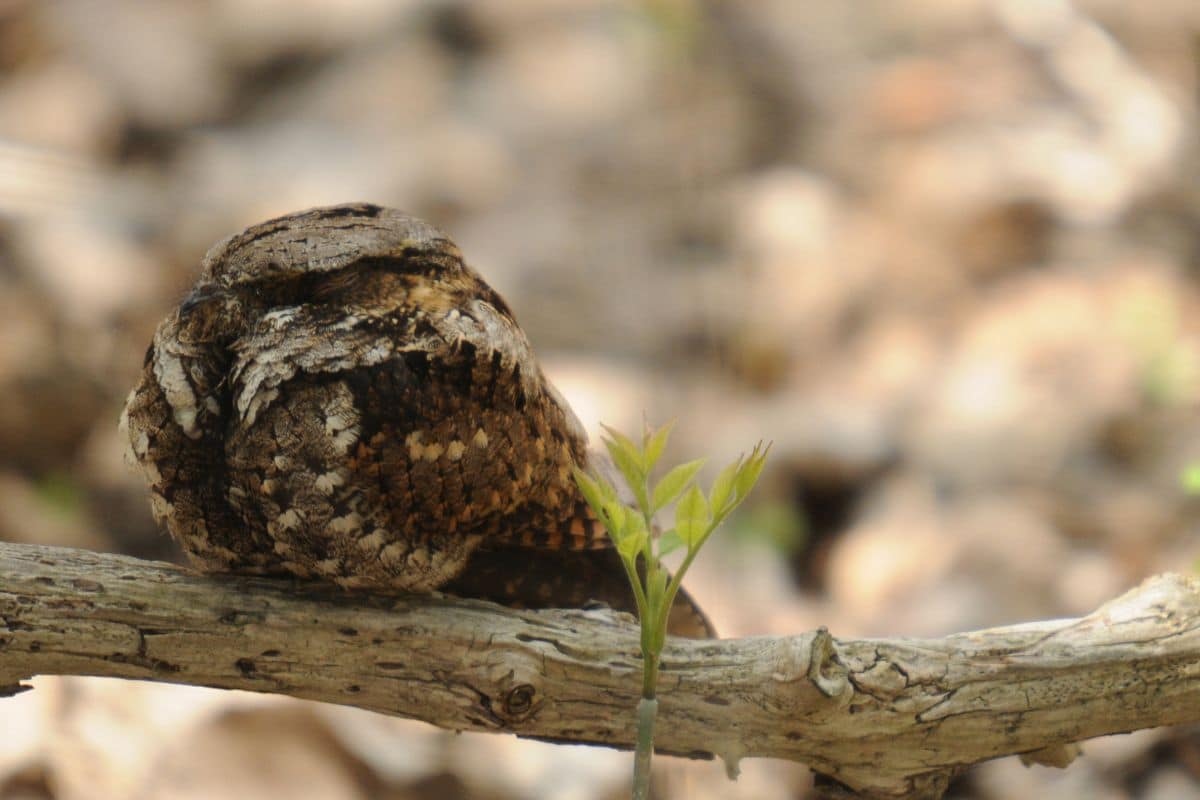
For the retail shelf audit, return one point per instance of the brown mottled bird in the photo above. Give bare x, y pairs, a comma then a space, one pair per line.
341, 398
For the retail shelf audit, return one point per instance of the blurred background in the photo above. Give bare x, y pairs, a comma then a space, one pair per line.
943, 252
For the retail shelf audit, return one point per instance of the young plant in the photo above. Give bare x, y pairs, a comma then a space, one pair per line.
633, 531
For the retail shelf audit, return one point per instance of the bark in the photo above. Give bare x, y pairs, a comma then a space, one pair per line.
877, 718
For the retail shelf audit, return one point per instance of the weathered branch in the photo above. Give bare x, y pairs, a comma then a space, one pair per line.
886, 718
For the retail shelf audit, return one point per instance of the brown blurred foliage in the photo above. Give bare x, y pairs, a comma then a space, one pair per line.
944, 253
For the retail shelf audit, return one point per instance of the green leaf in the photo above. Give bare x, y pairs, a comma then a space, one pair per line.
633, 537
629, 549
607, 490
590, 489
692, 517
673, 484
627, 464
656, 590
747, 474
654, 443
627, 456
722, 487
669, 542
635, 523
613, 515
1191, 479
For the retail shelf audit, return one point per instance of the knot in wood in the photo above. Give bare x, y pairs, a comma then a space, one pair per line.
515, 695
825, 671
518, 701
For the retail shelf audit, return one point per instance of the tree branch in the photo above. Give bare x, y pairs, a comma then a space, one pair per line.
885, 718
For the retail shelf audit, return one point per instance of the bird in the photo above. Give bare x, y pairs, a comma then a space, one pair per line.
341, 398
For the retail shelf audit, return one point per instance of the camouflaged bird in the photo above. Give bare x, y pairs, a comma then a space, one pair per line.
341, 398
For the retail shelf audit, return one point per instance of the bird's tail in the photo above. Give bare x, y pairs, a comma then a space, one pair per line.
579, 531
531, 578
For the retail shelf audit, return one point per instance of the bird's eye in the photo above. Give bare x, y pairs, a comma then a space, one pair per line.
368, 276
319, 287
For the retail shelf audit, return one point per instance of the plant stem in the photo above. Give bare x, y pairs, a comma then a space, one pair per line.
647, 711
649, 674
652, 620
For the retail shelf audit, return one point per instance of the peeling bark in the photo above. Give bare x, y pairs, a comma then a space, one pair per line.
875, 718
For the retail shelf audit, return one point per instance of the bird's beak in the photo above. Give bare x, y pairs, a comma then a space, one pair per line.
198, 297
